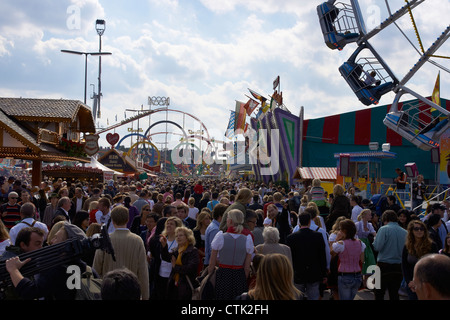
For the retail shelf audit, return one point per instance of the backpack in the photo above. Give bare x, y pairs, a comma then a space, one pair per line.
90, 286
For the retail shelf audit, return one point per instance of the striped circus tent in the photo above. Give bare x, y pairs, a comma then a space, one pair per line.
353, 131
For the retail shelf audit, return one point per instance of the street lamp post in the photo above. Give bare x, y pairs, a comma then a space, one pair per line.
85, 63
100, 26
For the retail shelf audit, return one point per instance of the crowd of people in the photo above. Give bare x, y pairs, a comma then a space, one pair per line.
233, 239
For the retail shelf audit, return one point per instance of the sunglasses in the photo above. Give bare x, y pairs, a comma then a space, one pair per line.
13, 198
419, 229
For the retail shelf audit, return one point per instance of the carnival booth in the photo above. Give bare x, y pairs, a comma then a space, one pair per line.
327, 176
362, 170
73, 173
108, 174
124, 166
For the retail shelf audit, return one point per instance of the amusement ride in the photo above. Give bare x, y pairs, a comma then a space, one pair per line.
369, 76
185, 159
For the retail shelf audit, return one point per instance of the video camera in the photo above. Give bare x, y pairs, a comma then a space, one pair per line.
57, 254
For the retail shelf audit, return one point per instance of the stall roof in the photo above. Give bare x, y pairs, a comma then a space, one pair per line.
322, 173
95, 164
368, 154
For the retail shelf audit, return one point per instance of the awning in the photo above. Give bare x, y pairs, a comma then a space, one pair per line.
309, 173
95, 164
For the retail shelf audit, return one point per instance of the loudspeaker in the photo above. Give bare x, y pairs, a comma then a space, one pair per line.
435, 155
411, 170
344, 165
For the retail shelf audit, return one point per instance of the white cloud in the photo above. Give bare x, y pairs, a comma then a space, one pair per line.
202, 54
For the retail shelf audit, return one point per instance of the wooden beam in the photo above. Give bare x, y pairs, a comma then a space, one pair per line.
36, 174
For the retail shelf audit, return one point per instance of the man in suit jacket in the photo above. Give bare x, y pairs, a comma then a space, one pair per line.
78, 201
284, 222
64, 205
129, 251
183, 214
308, 256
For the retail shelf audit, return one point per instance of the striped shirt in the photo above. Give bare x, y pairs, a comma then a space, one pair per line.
12, 214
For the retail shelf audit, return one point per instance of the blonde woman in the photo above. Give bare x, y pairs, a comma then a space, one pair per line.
340, 206
92, 209
318, 193
203, 221
332, 277
303, 204
193, 211
274, 280
318, 220
364, 228
167, 239
243, 199
184, 261
232, 252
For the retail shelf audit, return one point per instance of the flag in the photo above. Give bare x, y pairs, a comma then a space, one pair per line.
273, 104
257, 96
250, 106
259, 113
276, 82
229, 133
240, 116
436, 92
265, 107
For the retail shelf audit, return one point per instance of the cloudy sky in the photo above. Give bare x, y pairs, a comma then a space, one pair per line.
202, 54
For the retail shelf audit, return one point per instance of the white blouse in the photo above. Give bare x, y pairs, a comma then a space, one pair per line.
218, 241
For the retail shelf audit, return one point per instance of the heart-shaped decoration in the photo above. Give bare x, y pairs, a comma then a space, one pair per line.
112, 138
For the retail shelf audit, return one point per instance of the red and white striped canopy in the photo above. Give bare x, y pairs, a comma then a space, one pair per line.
322, 173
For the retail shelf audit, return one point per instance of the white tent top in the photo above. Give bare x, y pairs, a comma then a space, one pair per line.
95, 164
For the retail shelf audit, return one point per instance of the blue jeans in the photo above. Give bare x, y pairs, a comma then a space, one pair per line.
310, 289
348, 285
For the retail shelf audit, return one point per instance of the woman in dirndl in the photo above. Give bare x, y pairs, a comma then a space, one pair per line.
232, 253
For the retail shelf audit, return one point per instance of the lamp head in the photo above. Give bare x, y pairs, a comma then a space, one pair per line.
100, 26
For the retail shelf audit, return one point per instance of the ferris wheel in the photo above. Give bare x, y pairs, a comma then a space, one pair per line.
369, 76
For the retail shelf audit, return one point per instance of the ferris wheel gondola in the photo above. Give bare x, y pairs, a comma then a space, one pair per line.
338, 23
370, 77
420, 123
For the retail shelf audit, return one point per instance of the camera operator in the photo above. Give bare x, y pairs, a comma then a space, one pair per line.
51, 284
28, 239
